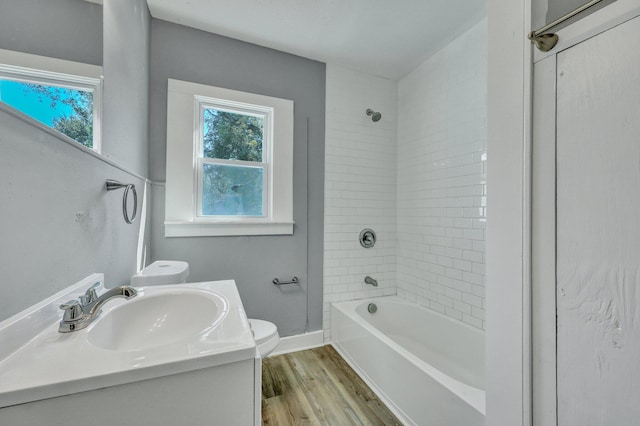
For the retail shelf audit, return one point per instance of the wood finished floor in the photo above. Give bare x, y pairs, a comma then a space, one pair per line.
317, 387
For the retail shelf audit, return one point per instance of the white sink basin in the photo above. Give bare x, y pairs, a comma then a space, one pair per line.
164, 330
151, 320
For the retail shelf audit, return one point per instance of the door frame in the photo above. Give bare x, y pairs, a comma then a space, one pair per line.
507, 341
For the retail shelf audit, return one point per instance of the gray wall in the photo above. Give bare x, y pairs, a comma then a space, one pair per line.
127, 26
65, 29
57, 222
82, 230
186, 54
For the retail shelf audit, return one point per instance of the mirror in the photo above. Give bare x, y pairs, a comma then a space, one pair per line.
58, 222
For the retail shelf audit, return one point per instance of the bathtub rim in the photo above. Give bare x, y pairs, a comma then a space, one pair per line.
475, 397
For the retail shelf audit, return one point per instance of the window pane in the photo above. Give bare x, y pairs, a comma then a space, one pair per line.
232, 190
232, 135
69, 111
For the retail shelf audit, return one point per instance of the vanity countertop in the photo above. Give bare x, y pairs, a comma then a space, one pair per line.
38, 362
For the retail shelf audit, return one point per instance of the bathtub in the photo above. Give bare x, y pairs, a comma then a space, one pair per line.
427, 368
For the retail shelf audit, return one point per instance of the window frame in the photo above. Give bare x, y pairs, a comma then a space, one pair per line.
185, 103
28, 68
267, 114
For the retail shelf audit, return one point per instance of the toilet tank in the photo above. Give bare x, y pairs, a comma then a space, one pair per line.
162, 272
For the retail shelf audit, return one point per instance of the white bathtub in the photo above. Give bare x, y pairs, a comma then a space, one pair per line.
428, 368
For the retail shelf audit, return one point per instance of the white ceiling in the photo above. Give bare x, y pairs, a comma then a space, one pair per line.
388, 38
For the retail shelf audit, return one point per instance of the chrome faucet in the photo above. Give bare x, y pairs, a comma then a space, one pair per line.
79, 313
369, 280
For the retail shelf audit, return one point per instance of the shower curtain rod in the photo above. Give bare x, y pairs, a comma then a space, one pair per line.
546, 41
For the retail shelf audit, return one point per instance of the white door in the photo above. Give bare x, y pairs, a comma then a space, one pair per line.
586, 200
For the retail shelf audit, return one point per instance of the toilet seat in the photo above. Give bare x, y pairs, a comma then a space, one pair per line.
266, 336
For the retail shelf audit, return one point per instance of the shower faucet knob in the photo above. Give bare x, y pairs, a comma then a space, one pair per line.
367, 238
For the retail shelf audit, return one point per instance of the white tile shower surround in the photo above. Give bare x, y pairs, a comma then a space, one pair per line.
442, 180
360, 187
417, 177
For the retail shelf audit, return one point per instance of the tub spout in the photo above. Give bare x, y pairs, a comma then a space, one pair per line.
371, 281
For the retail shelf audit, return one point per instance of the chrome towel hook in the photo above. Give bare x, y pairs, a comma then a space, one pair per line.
113, 185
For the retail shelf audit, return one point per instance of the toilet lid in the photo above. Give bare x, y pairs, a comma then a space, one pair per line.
262, 330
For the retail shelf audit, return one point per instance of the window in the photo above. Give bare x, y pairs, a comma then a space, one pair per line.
229, 162
232, 150
60, 94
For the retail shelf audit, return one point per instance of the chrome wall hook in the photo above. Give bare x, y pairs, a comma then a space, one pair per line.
112, 185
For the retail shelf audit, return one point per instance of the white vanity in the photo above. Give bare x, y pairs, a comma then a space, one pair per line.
172, 355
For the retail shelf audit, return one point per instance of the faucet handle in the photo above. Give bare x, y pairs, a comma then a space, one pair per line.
72, 311
90, 295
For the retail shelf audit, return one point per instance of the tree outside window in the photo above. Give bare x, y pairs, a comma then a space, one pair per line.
234, 187
67, 110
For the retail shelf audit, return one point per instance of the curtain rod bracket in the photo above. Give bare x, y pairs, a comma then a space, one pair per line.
547, 41
544, 42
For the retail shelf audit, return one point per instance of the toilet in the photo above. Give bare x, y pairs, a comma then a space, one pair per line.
162, 272
265, 334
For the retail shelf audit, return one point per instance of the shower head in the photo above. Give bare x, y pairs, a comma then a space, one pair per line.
375, 116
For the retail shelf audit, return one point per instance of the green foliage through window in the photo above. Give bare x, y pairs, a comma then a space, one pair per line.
67, 110
232, 136
232, 189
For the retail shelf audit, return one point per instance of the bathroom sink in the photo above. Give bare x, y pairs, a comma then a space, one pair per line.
164, 330
154, 319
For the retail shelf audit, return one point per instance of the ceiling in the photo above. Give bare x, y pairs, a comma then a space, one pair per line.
388, 38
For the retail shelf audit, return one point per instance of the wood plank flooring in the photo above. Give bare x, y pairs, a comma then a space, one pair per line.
317, 387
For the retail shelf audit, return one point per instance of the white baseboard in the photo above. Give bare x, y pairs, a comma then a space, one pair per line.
299, 342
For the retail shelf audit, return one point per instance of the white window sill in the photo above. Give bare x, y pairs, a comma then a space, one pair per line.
220, 229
